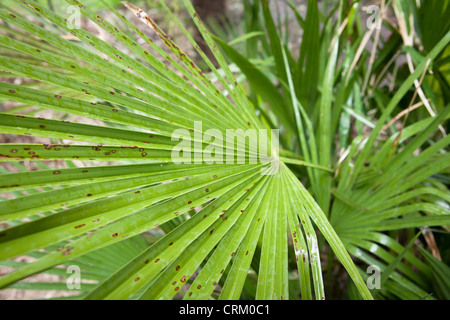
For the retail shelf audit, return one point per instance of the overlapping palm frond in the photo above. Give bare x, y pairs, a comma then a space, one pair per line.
381, 186
146, 100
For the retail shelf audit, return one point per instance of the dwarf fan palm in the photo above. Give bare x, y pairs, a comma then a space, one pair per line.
219, 220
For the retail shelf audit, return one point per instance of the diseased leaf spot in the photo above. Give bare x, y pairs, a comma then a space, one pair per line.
56, 172
199, 287
58, 97
115, 235
137, 279
12, 91
80, 226
156, 260
183, 279
177, 268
